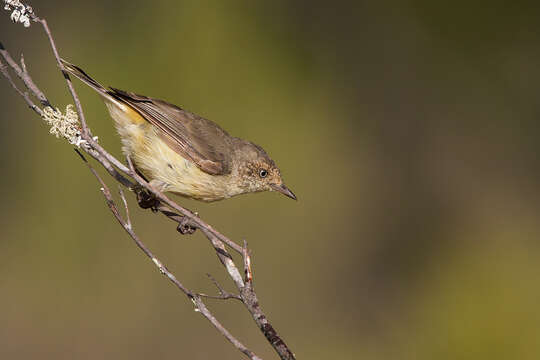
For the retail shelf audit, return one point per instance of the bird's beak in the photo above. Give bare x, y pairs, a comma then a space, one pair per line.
284, 190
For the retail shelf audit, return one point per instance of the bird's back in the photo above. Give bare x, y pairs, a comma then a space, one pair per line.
194, 137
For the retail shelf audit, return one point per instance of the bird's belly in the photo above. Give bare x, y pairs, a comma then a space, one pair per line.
179, 175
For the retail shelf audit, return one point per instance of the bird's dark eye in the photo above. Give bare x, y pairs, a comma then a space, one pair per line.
263, 173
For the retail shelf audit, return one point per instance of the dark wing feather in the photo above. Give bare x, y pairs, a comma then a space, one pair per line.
191, 136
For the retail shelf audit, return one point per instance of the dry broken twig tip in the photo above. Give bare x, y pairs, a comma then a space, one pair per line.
247, 264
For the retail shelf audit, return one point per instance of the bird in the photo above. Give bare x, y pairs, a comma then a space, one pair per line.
183, 153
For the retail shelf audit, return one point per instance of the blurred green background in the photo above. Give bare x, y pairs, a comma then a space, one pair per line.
409, 131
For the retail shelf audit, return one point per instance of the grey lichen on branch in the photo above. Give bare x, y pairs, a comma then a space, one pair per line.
65, 125
20, 12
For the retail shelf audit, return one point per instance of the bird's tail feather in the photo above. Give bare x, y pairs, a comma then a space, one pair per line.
84, 77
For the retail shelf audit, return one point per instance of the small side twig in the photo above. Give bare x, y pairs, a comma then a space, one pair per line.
24, 76
24, 95
126, 207
223, 294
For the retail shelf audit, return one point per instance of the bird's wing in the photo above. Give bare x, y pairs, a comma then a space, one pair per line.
191, 136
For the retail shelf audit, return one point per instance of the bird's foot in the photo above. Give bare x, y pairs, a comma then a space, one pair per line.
186, 226
146, 199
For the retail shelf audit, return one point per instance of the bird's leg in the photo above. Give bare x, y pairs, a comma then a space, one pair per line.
145, 198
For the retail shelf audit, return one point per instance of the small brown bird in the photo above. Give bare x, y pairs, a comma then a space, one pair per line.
183, 153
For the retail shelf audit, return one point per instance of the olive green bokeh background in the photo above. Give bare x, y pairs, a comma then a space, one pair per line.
409, 132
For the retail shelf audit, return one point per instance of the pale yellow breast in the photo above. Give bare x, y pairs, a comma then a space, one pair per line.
161, 164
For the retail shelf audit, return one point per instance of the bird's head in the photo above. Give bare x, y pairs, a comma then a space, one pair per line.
258, 172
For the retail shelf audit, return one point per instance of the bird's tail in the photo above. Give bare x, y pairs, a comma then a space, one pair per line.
84, 77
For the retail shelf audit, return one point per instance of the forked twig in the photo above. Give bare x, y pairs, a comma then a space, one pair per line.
223, 294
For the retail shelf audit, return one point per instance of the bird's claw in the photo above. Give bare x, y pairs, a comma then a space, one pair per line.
185, 226
145, 199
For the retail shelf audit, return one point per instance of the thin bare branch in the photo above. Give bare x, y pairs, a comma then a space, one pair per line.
85, 132
29, 102
127, 176
195, 298
24, 76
